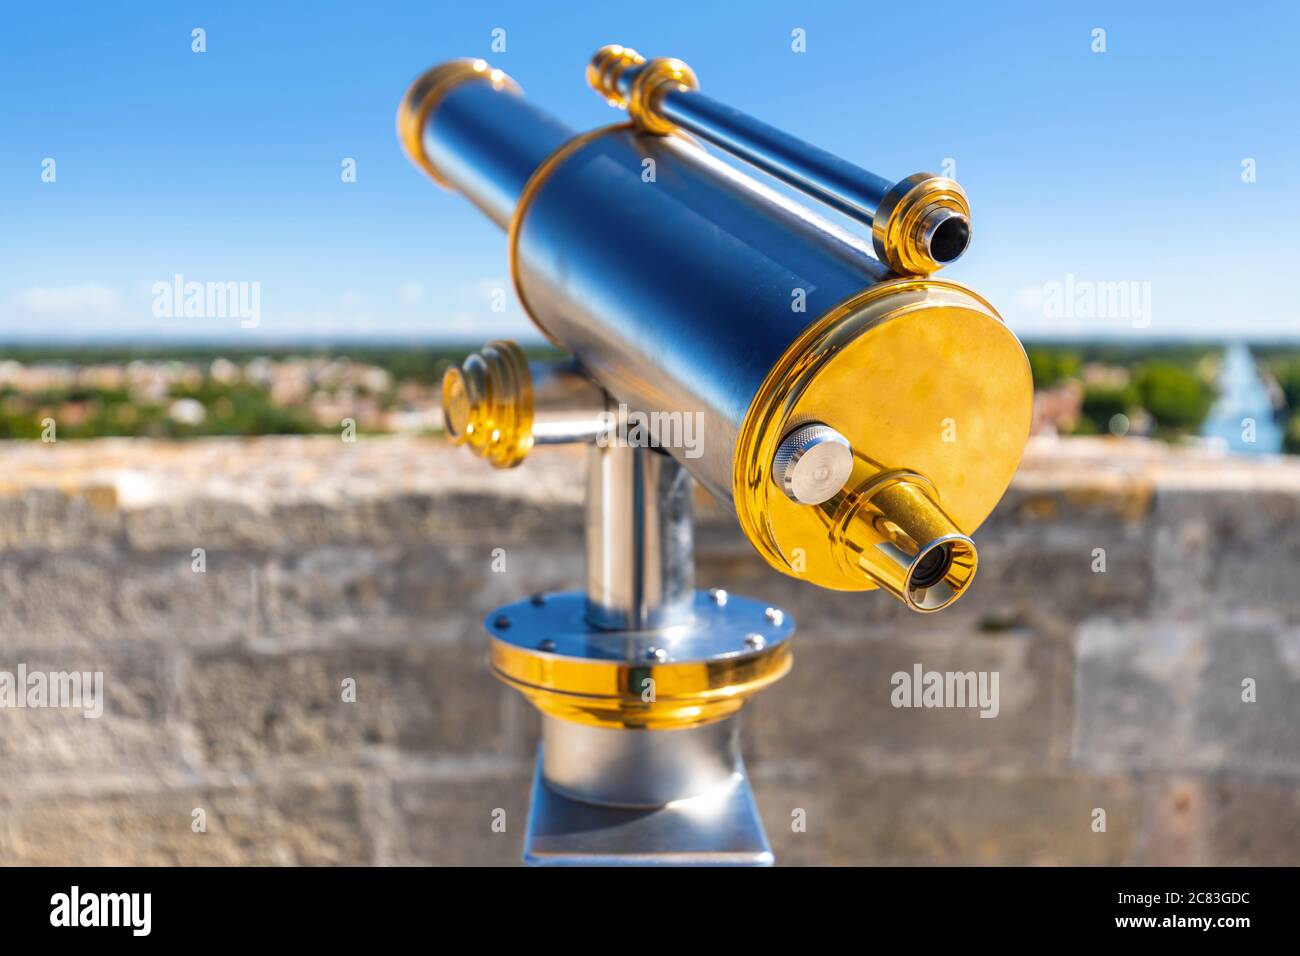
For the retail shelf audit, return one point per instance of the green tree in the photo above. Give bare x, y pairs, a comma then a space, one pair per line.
1177, 398
1101, 403
1051, 366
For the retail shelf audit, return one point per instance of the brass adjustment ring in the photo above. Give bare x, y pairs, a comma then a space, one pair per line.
654, 79
487, 404
683, 676
535, 182
605, 69
427, 92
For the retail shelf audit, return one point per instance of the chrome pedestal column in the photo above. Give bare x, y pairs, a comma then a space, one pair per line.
633, 795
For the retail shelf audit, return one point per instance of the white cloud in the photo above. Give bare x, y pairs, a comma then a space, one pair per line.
68, 301
456, 310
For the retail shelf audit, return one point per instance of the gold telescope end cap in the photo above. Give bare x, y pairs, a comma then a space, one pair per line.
423, 96
922, 225
922, 380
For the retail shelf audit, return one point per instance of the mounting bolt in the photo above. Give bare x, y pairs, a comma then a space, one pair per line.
546, 645
774, 616
719, 596
537, 600
755, 642
656, 654
812, 463
501, 623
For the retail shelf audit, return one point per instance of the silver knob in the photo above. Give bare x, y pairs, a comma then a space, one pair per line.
812, 463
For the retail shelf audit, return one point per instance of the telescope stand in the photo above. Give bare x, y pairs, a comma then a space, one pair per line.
822, 433
640, 680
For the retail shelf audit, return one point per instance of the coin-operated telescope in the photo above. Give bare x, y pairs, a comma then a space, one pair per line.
860, 416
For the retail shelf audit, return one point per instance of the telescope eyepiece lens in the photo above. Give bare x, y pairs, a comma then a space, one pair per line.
949, 239
932, 567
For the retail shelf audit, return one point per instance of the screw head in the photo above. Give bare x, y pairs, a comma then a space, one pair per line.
501, 622
755, 642
537, 600
719, 596
657, 654
774, 616
546, 645
812, 463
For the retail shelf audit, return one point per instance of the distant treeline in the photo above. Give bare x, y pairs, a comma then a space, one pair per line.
415, 362
1169, 387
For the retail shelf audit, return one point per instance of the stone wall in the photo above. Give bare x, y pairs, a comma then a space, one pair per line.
323, 561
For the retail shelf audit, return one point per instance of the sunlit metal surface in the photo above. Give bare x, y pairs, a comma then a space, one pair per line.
641, 567
719, 828
622, 768
748, 268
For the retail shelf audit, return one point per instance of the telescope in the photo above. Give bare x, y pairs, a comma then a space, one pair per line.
859, 415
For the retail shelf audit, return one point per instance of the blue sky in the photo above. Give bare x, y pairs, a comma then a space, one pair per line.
1082, 167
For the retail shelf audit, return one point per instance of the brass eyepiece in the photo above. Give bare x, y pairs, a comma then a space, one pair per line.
892, 530
922, 225
944, 234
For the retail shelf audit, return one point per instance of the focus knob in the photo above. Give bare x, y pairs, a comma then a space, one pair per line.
812, 463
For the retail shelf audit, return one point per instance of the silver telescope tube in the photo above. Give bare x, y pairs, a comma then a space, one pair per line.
651, 283
723, 318
840, 184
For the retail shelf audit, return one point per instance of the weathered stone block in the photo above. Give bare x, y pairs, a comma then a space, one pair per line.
247, 706
476, 820
56, 597
1251, 822
132, 698
859, 815
1260, 734
1135, 685
316, 822
839, 699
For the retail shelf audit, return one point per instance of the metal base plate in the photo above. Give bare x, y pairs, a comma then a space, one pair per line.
722, 627
719, 828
